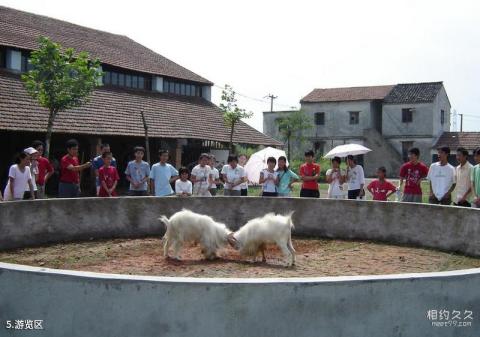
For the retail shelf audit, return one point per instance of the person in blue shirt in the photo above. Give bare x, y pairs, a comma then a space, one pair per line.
162, 175
98, 162
137, 173
286, 178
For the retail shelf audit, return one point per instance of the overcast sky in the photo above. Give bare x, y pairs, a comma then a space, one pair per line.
287, 48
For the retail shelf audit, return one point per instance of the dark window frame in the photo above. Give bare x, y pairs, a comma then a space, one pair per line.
354, 117
319, 118
407, 115
442, 116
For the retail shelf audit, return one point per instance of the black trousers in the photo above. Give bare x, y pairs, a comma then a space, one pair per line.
304, 193
244, 192
269, 194
354, 194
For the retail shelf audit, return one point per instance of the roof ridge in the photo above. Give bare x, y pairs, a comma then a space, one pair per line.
60, 20
357, 87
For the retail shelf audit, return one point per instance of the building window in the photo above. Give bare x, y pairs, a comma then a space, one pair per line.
181, 88
3, 57
126, 80
26, 65
407, 115
405, 147
320, 118
442, 117
354, 117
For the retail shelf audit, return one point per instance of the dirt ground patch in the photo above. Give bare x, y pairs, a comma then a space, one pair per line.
314, 258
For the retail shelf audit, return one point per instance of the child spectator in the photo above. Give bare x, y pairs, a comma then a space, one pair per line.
355, 179
269, 179
242, 161
45, 169
98, 162
475, 179
309, 174
381, 189
413, 172
108, 176
162, 175
442, 179
18, 177
137, 173
286, 178
183, 186
215, 176
234, 176
336, 177
202, 177
70, 168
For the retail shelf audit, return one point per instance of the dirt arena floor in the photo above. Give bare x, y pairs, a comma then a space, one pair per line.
314, 258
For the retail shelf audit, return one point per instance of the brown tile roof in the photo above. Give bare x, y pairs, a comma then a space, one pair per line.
413, 93
454, 140
22, 30
118, 112
347, 94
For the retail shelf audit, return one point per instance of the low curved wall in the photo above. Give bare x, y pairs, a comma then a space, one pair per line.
100, 305
61, 220
88, 304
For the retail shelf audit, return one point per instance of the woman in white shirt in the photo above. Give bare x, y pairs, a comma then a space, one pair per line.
18, 176
269, 179
242, 161
215, 176
234, 176
202, 177
336, 178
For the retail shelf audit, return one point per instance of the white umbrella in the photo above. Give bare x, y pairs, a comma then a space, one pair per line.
346, 150
258, 162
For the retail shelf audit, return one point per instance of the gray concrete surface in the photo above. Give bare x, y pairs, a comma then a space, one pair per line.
48, 221
88, 304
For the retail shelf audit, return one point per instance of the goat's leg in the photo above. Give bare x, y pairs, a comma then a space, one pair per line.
291, 249
166, 245
286, 252
176, 249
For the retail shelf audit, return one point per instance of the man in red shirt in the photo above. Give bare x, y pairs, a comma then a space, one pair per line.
381, 189
108, 176
45, 169
309, 174
413, 172
70, 168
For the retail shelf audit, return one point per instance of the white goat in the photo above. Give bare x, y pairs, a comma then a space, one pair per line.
185, 226
253, 237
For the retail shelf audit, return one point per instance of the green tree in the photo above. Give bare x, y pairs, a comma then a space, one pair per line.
293, 126
232, 114
60, 80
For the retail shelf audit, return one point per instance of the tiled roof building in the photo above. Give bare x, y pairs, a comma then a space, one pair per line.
175, 101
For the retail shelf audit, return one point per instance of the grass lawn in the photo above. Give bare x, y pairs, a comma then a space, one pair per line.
257, 191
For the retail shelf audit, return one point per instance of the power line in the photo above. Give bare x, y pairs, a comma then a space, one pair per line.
262, 100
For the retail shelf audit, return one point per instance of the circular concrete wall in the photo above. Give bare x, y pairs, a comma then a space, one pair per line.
90, 304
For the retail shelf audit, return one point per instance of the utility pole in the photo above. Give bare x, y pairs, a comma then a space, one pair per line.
461, 122
272, 97
147, 142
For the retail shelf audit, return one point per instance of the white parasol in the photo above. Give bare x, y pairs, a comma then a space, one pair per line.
258, 162
346, 150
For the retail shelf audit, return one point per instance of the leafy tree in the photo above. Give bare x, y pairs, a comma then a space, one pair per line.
60, 79
232, 114
292, 125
